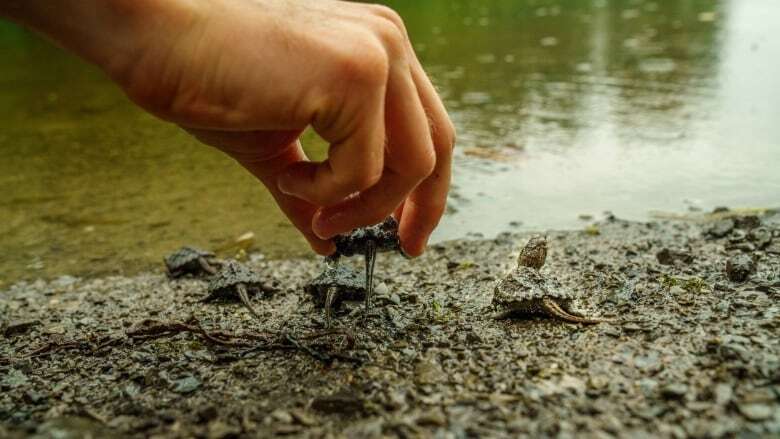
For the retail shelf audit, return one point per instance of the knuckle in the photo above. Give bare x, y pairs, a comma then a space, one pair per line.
392, 37
370, 66
390, 15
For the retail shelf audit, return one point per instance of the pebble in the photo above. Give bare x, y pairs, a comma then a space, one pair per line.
433, 417
674, 391
429, 372
757, 412
186, 385
739, 267
721, 228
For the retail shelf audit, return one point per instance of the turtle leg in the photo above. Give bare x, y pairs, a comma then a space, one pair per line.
244, 296
330, 296
204, 264
370, 260
552, 308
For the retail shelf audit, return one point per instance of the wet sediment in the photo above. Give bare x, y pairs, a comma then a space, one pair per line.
694, 352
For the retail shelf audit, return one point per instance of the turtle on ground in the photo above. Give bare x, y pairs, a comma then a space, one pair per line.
525, 290
190, 260
236, 280
333, 286
382, 237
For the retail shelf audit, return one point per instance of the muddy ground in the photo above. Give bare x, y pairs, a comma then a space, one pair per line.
693, 354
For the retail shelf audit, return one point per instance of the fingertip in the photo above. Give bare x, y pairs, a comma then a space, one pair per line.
323, 224
322, 247
415, 247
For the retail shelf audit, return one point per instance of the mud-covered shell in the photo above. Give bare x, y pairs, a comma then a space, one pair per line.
350, 283
232, 274
184, 256
384, 235
525, 283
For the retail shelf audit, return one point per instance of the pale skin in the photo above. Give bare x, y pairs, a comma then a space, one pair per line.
248, 76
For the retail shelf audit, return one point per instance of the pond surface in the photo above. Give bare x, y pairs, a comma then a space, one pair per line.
563, 108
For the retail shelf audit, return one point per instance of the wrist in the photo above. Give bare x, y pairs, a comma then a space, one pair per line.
108, 33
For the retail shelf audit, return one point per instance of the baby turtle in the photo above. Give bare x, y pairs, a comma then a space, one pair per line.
382, 237
236, 279
190, 260
333, 286
526, 291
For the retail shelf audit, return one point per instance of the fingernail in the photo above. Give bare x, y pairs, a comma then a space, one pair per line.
320, 226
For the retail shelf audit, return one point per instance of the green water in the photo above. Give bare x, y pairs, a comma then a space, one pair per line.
562, 108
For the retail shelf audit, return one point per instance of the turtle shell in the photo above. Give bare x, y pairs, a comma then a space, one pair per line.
350, 283
232, 274
384, 235
185, 256
524, 284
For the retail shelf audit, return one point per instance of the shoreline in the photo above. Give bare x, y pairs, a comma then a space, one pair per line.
694, 354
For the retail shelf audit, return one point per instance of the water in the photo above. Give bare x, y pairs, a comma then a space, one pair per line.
562, 108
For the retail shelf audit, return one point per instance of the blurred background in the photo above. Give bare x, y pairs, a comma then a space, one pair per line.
564, 110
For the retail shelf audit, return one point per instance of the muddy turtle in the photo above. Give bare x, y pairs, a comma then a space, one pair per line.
333, 286
190, 260
525, 290
237, 280
382, 237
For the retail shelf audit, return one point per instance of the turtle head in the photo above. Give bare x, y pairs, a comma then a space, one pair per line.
534, 253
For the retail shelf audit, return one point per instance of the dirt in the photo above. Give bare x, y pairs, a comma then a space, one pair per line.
693, 354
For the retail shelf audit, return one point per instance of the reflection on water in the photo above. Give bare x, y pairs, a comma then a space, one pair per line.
562, 108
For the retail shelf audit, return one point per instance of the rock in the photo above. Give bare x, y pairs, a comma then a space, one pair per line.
428, 372
19, 327
221, 430
674, 391
186, 385
740, 267
761, 236
723, 394
282, 416
756, 411
721, 228
773, 248
340, 404
432, 418
303, 418
747, 222
669, 257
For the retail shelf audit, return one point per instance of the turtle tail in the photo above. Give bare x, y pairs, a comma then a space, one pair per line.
552, 308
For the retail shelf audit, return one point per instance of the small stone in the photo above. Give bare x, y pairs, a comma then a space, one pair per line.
669, 257
282, 416
761, 236
428, 372
344, 404
756, 412
723, 394
186, 385
19, 327
747, 222
721, 228
432, 418
674, 391
303, 418
740, 267
222, 430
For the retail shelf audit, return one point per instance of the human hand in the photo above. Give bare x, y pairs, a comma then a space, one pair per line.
249, 76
